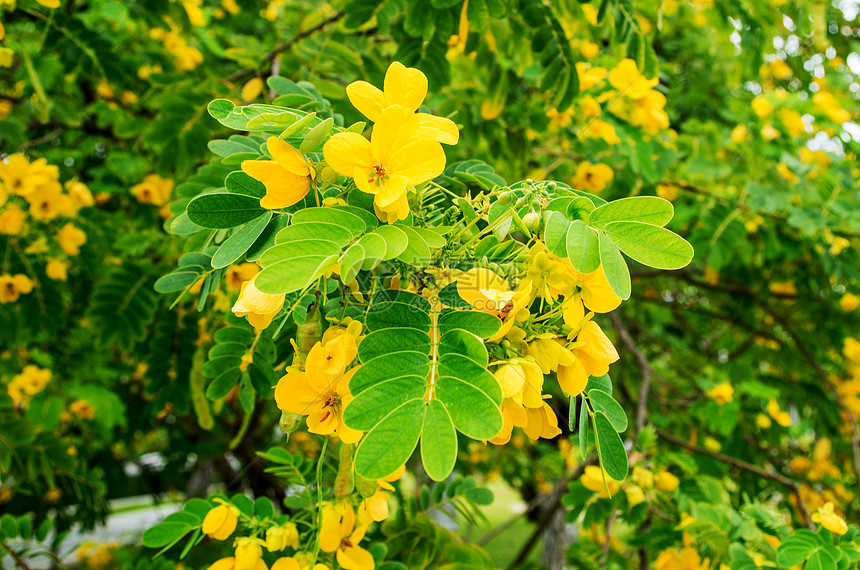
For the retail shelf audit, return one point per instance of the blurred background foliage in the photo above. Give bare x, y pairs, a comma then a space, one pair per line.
745, 357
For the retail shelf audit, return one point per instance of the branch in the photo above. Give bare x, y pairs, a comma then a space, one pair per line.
810, 356
285, 46
779, 478
19, 562
645, 367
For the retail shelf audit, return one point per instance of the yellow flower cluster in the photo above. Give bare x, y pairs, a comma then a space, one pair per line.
640, 105
849, 388
404, 148
185, 57
38, 183
28, 383
582, 350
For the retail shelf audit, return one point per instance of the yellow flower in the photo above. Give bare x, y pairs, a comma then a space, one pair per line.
793, 121
153, 190
635, 495
593, 480
762, 107
395, 157
21, 177
830, 520
667, 192
768, 132
600, 129
238, 274
28, 383
594, 353
220, 522
559, 120
550, 354
280, 537
763, 421
851, 349
259, 307
79, 194
405, 87
589, 107
593, 177
626, 76
665, 481
322, 390
48, 202
57, 269
839, 245
11, 220
484, 290
195, 14
230, 6
13, 286
248, 553
71, 239
786, 174
287, 562
82, 410
722, 393
374, 508
589, 76
6, 57
781, 417
541, 422
521, 382
287, 178
826, 102
339, 534
740, 134
643, 477
49, 3
849, 302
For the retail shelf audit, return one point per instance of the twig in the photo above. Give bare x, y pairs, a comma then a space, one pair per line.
810, 356
610, 520
286, 45
42, 139
19, 562
779, 478
645, 367
548, 515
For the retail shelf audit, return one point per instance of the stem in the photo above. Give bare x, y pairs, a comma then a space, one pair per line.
319, 501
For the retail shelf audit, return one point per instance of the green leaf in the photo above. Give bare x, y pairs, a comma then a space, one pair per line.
614, 267
647, 209
603, 383
165, 533
395, 241
374, 247
650, 245
417, 252
797, 547
293, 274
438, 442
315, 230
603, 402
434, 240
583, 247
176, 281
341, 217
222, 210
390, 340
302, 248
351, 262
613, 456
237, 244
484, 325
316, 136
583, 427
390, 443
222, 385
267, 238
240, 183
555, 234
374, 403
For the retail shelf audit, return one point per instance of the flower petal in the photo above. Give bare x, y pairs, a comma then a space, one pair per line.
283, 188
397, 126
438, 129
294, 393
418, 161
369, 100
287, 156
345, 152
405, 86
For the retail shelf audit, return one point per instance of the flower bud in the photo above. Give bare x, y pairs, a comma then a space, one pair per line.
220, 522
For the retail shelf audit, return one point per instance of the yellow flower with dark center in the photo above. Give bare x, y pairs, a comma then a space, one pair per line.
339, 534
405, 87
394, 158
13, 286
593, 177
71, 239
830, 520
82, 410
322, 390
287, 178
20, 176
220, 522
153, 190
259, 307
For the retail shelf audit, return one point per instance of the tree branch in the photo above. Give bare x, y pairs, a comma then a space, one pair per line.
645, 367
779, 478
